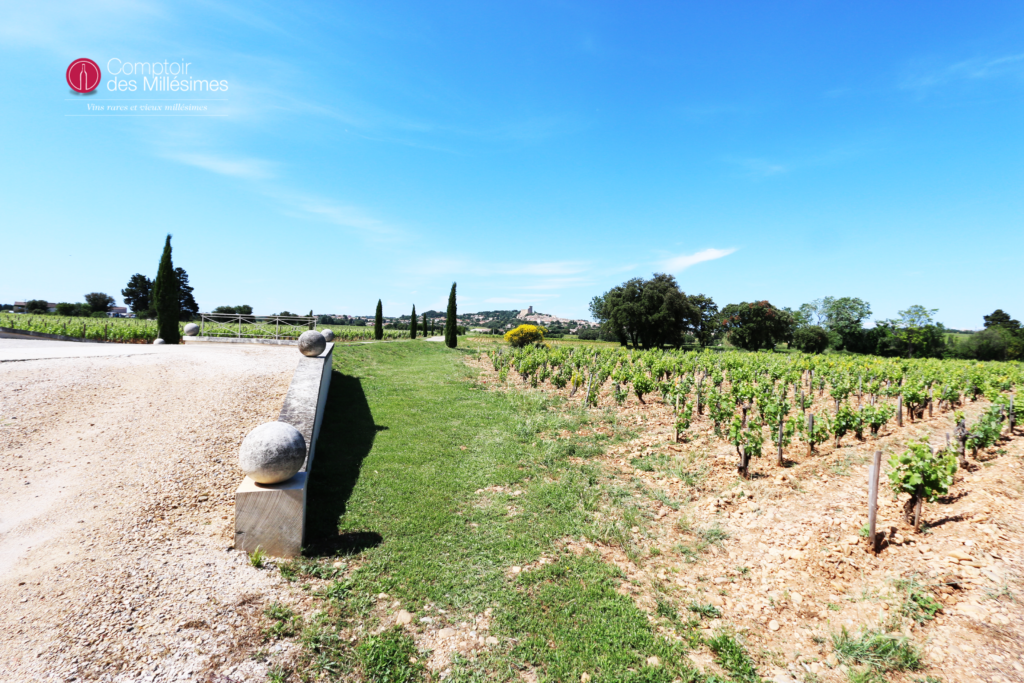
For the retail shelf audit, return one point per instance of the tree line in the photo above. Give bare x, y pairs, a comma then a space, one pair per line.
655, 313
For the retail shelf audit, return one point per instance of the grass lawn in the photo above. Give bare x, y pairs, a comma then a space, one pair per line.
409, 438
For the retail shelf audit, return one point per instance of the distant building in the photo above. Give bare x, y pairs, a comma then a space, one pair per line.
117, 312
525, 312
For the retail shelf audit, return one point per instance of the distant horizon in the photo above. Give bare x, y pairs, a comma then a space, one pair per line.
533, 152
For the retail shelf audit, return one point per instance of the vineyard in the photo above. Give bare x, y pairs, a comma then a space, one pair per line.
764, 403
736, 489
141, 331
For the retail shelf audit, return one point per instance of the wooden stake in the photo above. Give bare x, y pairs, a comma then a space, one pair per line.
873, 473
810, 434
899, 411
1013, 416
782, 423
675, 439
931, 395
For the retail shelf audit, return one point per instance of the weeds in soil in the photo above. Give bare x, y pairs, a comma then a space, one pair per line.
732, 657
285, 622
919, 604
877, 652
390, 657
257, 557
705, 609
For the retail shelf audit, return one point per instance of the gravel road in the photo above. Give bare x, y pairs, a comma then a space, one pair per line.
117, 476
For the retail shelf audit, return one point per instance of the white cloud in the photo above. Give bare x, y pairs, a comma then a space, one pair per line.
761, 168
684, 261
250, 169
980, 68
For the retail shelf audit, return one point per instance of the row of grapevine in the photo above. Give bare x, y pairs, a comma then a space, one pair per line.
746, 396
139, 331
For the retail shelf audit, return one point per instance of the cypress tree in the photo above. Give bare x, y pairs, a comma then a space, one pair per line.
378, 322
426, 329
451, 331
166, 298
412, 323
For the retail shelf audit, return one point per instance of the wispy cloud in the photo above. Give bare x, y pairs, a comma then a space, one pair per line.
977, 69
760, 168
249, 169
680, 263
342, 215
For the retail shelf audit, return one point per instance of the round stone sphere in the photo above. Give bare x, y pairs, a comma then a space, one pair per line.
158, 340
312, 343
272, 453
328, 335
191, 330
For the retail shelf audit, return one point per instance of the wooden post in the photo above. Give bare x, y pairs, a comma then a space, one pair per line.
782, 423
1013, 416
931, 395
873, 477
810, 434
675, 420
802, 409
899, 411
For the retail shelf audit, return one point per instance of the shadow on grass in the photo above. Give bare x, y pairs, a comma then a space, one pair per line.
346, 437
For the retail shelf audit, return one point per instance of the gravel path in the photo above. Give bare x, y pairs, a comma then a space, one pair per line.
117, 477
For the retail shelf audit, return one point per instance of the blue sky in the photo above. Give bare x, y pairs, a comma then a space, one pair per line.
537, 153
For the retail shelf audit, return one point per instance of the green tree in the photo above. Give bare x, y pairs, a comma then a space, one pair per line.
99, 302
647, 313
412, 323
451, 322
137, 294
706, 326
239, 310
166, 298
186, 302
37, 306
378, 322
1000, 318
811, 338
757, 325
426, 329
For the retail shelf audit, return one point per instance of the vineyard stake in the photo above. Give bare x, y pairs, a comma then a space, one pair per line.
675, 414
782, 422
810, 434
899, 411
873, 501
1013, 416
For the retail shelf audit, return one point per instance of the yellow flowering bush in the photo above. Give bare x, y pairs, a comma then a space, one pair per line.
525, 335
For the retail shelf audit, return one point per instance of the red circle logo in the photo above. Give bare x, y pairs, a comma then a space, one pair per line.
84, 75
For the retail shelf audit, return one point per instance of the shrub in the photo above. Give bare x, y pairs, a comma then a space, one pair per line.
524, 335
590, 334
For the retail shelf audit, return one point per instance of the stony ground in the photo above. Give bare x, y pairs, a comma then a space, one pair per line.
791, 568
117, 477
